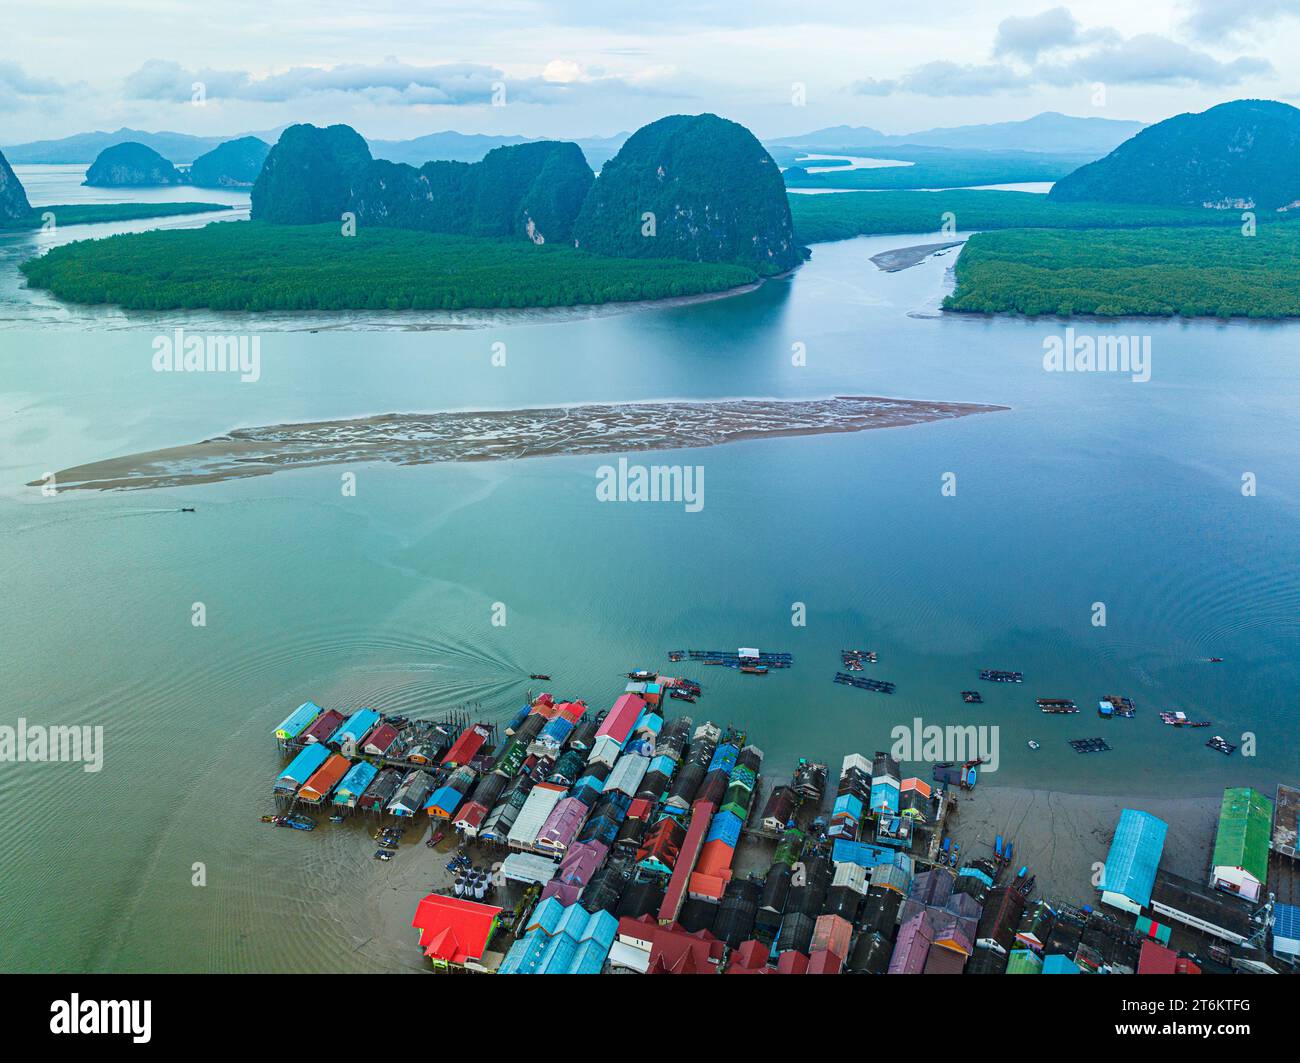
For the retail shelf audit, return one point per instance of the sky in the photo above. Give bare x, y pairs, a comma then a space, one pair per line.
577, 68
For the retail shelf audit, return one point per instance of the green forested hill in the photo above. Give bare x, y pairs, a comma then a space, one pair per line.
1238, 155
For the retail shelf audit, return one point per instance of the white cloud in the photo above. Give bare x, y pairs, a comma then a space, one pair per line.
1212, 20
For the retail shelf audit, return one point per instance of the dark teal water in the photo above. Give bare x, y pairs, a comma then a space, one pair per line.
1091, 488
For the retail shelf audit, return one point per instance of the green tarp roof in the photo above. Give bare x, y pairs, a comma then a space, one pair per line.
1245, 823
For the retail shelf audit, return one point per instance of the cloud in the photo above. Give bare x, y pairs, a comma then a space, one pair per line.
1074, 56
1153, 60
389, 82
1212, 20
17, 85
943, 78
1029, 36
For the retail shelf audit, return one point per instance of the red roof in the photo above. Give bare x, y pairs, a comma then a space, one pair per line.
469, 743
1156, 959
701, 813
749, 958
792, 962
640, 808
823, 961
677, 952
832, 932
326, 724
453, 930
380, 738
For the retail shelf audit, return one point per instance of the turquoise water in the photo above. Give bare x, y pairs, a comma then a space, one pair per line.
1091, 488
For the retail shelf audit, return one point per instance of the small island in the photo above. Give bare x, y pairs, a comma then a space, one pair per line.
132, 165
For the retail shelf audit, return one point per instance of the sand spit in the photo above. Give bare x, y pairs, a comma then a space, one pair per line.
500, 435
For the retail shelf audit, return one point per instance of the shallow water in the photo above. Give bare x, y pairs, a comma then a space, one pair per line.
1092, 488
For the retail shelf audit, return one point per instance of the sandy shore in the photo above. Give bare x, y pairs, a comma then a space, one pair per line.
496, 435
898, 258
1062, 836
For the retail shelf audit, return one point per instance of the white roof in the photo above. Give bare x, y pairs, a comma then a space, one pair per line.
529, 867
627, 773
621, 954
747, 651
532, 817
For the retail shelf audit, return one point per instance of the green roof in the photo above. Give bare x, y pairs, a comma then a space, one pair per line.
1245, 824
1023, 961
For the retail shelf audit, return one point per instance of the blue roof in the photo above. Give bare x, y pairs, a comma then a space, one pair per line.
301, 767
298, 721
1059, 963
353, 784
356, 726
1130, 868
864, 854
562, 940
1286, 921
448, 798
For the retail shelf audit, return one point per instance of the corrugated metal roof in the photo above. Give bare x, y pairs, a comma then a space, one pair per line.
541, 801
356, 726
302, 766
298, 720
1245, 824
354, 783
1130, 868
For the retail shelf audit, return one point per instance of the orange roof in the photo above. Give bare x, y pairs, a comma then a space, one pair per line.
715, 859
454, 930
325, 778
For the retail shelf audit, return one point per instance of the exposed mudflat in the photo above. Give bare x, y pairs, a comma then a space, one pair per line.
500, 435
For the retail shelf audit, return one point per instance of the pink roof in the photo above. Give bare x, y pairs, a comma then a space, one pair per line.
622, 718
832, 932
912, 946
563, 824
1156, 959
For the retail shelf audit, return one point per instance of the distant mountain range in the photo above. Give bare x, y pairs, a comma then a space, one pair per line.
1049, 132
183, 148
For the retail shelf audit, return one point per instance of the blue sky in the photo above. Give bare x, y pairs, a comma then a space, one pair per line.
587, 67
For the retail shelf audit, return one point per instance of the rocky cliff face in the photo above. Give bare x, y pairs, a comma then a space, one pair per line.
234, 164
696, 187
13, 199
131, 165
1238, 156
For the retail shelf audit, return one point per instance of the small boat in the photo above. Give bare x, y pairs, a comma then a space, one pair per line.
643, 675
1024, 870
1179, 719
296, 822
1008, 854
997, 848
435, 839
1222, 745
539, 675
681, 694
677, 655
1216, 660
187, 509
1033, 744
972, 697
753, 669
269, 819
383, 854
336, 819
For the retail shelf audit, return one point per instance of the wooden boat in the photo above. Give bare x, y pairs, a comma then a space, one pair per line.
972, 697
1222, 745
383, 854
539, 675
754, 669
